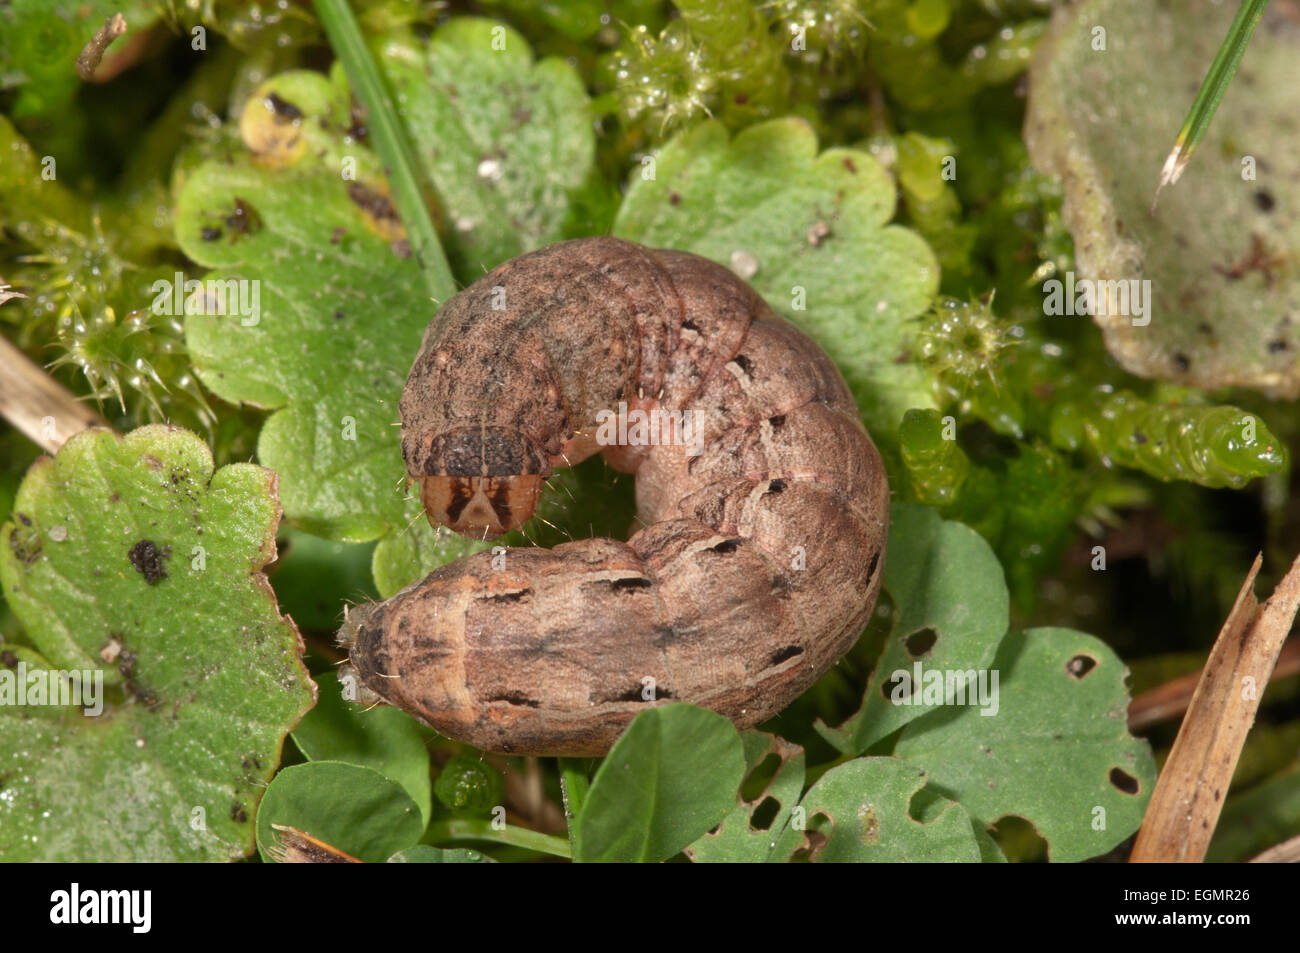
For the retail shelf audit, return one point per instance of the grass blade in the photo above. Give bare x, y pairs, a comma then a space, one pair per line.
390, 142
1211, 92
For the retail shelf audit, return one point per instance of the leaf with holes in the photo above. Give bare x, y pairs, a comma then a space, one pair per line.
952, 611
746, 834
863, 811
671, 776
129, 559
1053, 748
383, 738
810, 233
353, 809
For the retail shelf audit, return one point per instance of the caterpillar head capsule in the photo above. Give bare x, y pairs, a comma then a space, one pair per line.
480, 482
481, 507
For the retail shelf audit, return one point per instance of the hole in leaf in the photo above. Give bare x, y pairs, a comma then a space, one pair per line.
764, 814
919, 644
1080, 665
814, 839
760, 777
1018, 840
1123, 781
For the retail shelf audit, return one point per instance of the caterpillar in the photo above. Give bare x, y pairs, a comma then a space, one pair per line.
761, 546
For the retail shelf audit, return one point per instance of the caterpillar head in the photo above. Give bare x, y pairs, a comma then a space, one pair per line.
480, 482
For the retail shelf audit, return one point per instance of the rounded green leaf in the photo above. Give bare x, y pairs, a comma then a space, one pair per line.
669, 778
129, 560
355, 809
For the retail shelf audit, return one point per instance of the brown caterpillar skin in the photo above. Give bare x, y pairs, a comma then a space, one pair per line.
549, 655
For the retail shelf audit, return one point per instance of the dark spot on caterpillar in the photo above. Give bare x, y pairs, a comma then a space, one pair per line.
237, 813
516, 698
283, 108
244, 220
209, 234
375, 204
848, 164
674, 199
1264, 200
777, 421
1277, 345
1204, 328
741, 98
785, 654
504, 597
744, 363
726, 546
149, 560
8, 659
336, 236
24, 519
775, 486
1182, 361
1139, 436
871, 567
1124, 782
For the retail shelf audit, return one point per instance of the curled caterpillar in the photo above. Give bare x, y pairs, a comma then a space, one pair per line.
763, 522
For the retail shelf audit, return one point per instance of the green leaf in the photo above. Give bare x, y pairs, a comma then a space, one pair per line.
424, 854
386, 739
945, 581
339, 320
742, 836
670, 777
863, 809
355, 809
808, 221
1216, 251
129, 558
1055, 749
505, 141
